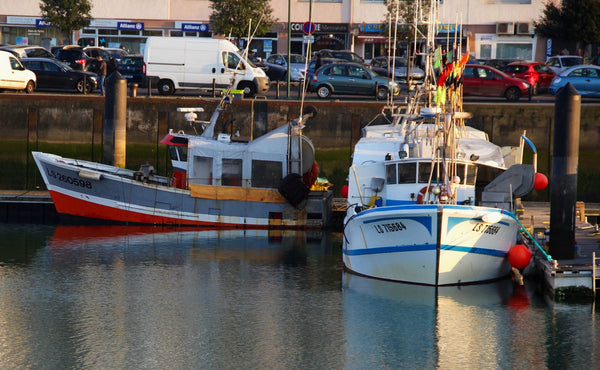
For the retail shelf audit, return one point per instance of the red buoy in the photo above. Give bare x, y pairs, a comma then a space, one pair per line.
344, 191
519, 256
540, 181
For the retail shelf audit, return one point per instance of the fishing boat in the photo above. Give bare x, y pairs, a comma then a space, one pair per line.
217, 181
431, 200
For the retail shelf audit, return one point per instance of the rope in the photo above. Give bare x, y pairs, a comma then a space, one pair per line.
523, 230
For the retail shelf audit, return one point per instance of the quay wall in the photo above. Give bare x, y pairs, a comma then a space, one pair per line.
72, 126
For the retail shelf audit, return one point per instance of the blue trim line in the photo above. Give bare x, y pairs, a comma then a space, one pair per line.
475, 250
390, 249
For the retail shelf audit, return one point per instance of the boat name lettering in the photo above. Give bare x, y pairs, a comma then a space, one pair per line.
69, 180
388, 228
486, 229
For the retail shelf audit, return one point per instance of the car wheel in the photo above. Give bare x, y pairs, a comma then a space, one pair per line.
166, 87
512, 94
323, 92
381, 93
29, 87
248, 88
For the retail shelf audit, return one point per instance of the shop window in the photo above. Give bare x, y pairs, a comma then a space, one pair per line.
514, 51
266, 174
232, 172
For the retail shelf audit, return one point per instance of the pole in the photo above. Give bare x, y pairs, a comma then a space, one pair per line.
115, 120
564, 173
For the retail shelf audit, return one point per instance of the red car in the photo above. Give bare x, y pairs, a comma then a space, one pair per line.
537, 74
484, 80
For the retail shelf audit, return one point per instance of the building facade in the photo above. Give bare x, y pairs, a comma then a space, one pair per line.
489, 28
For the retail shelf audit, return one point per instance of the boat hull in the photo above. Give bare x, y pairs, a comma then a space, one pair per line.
430, 244
114, 194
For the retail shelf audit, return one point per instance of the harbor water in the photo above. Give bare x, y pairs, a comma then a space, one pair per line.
105, 297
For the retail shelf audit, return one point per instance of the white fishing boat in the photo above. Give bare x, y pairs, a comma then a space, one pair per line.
217, 181
431, 200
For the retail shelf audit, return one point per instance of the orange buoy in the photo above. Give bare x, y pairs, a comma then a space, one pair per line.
519, 256
344, 191
540, 181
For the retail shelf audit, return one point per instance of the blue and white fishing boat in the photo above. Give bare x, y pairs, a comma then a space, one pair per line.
431, 200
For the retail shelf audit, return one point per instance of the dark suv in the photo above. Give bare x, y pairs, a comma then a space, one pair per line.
86, 59
131, 67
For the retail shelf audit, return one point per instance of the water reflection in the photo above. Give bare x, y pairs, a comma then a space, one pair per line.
145, 297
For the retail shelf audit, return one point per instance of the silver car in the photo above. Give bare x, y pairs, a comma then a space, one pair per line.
384, 66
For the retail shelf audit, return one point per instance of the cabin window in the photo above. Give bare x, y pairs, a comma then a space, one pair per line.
471, 175
232, 172
202, 171
425, 172
407, 173
178, 153
390, 174
266, 174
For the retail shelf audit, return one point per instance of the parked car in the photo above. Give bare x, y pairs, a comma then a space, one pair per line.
31, 51
53, 74
560, 63
310, 71
13, 75
584, 78
117, 53
537, 74
498, 63
484, 80
384, 66
347, 78
82, 59
131, 67
341, 54
276, 67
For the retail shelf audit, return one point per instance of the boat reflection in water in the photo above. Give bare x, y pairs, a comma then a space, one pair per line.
179, 245
420, 326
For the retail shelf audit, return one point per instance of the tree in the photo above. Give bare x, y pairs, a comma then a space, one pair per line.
67, 15
403, 13
572, 20
234, 17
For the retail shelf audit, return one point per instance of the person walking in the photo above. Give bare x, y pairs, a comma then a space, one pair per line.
101, 74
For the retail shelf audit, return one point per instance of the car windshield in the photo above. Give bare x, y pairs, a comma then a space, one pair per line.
400, 62
297, 59
516, 69
572, 61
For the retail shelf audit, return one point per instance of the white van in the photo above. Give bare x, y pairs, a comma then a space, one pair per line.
200, 63
13, 76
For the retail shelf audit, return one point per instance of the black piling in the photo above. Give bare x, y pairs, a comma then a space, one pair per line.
564, 173
115, 120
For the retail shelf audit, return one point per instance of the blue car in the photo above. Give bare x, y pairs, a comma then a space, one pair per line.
584, 78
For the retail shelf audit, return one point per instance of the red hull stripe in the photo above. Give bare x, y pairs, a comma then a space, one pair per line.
79, 207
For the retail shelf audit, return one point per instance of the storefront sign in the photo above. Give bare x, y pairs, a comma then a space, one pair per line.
194, 27
42, 23
321, 27
131, 26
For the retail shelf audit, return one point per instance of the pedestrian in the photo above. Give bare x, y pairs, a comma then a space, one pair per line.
318, 62
101, 74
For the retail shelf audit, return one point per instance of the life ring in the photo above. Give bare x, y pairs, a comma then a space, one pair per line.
422, 193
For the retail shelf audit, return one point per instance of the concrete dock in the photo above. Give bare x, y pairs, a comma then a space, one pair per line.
567, 279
